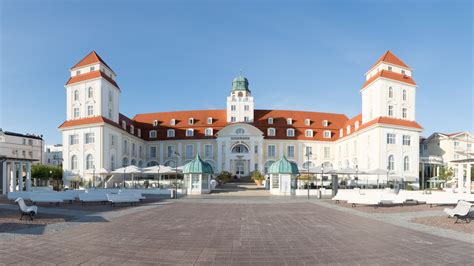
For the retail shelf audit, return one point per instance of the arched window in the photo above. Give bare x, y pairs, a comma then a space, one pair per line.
406, 163
140, 163
152, 163
271, 132
240, 149
125, 162
209, 132
390, 92
170, 163
308, 133
74, 162
134, 162
170, 133
267, 165
404, 95
112, 162
290, 132
391, 163
308, 163
89, 162
90, 92
239, 131
76, 95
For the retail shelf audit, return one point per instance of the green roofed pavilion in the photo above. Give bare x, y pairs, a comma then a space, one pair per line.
283, 166
197, 166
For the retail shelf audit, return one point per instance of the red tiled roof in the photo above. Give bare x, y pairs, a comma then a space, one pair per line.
91, 75
85, 121
389, 57
389, 75
89, 59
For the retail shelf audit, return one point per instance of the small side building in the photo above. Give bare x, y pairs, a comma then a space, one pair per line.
197, 176
283, 175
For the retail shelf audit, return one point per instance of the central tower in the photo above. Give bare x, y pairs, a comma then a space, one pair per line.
240, 104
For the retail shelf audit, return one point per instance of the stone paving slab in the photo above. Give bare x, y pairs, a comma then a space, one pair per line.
192, 233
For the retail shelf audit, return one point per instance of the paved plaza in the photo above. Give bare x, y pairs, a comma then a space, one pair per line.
228, 230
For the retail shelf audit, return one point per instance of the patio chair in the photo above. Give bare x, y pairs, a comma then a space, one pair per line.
30, 211
460, 212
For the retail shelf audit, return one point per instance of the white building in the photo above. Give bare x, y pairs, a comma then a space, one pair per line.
240, 138
17, 153
53, 155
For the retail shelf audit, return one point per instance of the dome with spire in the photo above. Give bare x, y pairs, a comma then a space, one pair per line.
197, 166
283, 166
240, 83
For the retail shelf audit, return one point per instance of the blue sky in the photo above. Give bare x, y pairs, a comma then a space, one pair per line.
170, 55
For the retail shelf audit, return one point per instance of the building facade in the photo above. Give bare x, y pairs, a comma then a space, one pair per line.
241, 138
53, 155
17, 153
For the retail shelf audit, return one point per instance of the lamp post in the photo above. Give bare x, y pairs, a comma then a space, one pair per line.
308, 154
50, 174
388, 171
93, 176
357, 176
176, 175
321, 186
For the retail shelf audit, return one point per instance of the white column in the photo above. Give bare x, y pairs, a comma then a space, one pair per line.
28, 176
460, 178
252, 156
4, 178
13, 177
219, 156
20, 176
468, 178
227, 156
260, 156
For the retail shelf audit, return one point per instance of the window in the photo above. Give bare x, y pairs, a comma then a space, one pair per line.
391, 138
290, 132
390, 110
308, 151
404, 95
208, 132
239, 131
327, 152
124, 125
271, 132
270, 121
89, 162
110, 113
139, 133
341, 133
209, 120
307, 122
112, 162
132, 129
125, 146
271, 151
246, 119
110, 96
404, 113
90, 92
356, 125
289, 121
74, 139
173, 122
113, 140
189, 151
406, 163
232, 119
189, 132
308, 133
348, 130
74, 162
170, 133
232, 107
76, 112
208, 151
469, 146
78, 72
153, 152
389, 68
325, 123
91, 68
124, 162
89, 138
255, 149
403, 71
327, 134
246, 107
155, 123
390, 92
90, 110
240, 149
171, 151
290, 151
456, 145
191, 121
391, 163
153, 134
406, 140
76, 95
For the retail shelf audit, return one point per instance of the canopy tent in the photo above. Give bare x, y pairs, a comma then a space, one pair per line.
131, 169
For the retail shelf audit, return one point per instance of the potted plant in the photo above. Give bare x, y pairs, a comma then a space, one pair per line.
223, 177
257, 177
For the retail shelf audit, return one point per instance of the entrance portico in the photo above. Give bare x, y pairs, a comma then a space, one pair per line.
239, 149
15, 175
463, 174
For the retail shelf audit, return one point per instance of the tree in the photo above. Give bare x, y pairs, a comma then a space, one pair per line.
46, 173
445, 173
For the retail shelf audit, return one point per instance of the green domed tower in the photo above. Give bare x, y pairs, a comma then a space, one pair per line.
240, 83
240, 104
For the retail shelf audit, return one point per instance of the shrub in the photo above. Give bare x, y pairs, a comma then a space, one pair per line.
223, 177
257, 176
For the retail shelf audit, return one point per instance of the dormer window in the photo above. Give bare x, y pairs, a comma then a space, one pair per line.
170, 133
153, 134
78, 72
191, 121
403, 71
209, 132
390, 68
155, 123
289, 121
173, 122
139, 133
307, 122
348, 130
327, 134
189, 132
325, 123
308, 133
209, 120
290, 132
92, 68
341, 133
132, 129
356, 125
124, 125
271, 132
270, 121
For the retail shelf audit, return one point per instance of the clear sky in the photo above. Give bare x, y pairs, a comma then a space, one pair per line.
170, 55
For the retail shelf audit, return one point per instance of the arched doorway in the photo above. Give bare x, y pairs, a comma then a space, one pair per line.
239, 168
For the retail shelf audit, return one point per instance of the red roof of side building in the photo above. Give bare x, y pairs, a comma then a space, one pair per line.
389, 75
89, 59
91, 75
390, 58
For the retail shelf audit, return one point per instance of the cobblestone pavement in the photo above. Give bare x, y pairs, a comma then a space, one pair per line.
239, 232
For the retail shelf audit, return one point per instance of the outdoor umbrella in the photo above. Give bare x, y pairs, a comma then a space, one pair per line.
159, 170
131, 169
378, 172
93, 172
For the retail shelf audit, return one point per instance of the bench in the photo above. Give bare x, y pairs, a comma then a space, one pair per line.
46, 197
460, 212
122, 198
371, 200
26, 210
392, 199
136, 194
93, 197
